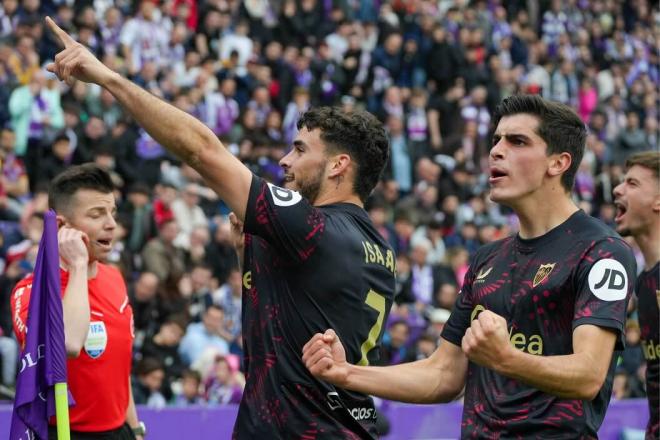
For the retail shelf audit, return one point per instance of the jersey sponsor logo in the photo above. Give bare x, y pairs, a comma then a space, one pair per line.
362, 413
97, 339
651, 350
283, 196
247, 279
532, 344
543, 273
608, 280
483, 273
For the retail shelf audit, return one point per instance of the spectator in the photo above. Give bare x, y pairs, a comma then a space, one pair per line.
161, 256
225, 385
206, 334
164, 347
187, 214
147, 383
190, 390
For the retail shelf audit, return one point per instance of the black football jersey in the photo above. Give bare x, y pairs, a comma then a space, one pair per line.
307, 269
580, 272
648, 296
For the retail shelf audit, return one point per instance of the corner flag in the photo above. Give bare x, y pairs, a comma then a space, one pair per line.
42, 376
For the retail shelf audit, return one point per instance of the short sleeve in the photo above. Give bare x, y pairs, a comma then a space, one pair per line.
283, 218
20, 301
460, 318
604, 283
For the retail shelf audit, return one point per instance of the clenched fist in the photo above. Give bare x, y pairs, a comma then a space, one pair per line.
325, 358
486, 342
73, 247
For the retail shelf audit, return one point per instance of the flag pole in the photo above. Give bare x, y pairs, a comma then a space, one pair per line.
62, 411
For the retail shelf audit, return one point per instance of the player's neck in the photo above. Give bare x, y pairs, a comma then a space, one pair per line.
92, 269
339, 195
540, 216
649, 244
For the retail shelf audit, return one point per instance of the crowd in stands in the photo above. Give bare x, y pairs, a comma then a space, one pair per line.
432, 71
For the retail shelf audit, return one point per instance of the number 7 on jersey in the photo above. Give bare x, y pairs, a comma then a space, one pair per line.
377, 302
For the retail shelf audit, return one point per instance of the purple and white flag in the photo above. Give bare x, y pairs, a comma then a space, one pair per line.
43, 360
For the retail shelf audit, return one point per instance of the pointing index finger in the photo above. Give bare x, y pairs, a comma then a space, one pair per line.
64, 38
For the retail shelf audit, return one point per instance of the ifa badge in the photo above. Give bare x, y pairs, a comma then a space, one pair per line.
97, 339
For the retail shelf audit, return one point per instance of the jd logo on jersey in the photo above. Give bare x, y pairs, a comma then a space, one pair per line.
543, 273
608, 280
283, 196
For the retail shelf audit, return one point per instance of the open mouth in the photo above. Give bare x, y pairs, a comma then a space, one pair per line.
288, 178
496, 174
104, 243
621, 210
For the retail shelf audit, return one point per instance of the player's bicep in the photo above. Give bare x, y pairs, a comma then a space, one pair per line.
464, 311
597, 345
605, 281
226, 175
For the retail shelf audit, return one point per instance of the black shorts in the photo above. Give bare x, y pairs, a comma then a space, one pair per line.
124, 432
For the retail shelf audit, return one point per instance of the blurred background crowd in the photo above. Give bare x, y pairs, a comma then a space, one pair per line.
432, 71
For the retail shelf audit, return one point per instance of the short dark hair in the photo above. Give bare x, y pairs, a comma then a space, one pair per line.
148, 365
191, 374
647, 159
559, 126
68, 182
357, 133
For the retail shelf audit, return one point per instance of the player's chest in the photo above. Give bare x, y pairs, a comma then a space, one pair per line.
110, 326
523, 284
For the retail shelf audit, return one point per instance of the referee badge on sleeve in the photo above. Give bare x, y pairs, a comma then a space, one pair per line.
97, 339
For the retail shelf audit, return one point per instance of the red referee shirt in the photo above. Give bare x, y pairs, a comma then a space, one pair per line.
98, 378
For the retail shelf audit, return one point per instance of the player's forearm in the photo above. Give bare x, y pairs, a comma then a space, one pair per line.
415, 382
174, 129
75, 308
572, 376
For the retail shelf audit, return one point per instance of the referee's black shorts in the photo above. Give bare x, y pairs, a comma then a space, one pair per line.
124, 432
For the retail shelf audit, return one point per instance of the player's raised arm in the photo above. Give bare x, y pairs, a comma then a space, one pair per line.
177, 131
440, 378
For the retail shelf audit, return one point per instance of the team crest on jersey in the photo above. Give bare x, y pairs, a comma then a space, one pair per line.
543, 273
283, 196
97, 339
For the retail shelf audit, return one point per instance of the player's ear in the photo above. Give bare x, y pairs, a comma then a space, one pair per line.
61, 221
559, 163
656, 204
339, 164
